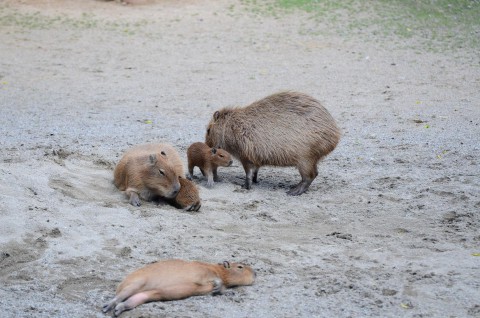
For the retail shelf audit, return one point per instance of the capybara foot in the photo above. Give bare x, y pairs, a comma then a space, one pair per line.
210, 183
108, 306
247, 186
299, 189
193, 208
119, 309
135, 201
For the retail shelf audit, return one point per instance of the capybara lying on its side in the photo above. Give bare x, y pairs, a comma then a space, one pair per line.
149, 171
283, 129
177, 279
207, 160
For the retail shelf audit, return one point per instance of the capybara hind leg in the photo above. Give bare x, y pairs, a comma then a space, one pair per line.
134, 301
249, 168
121, 296
308, 173
110, 305
175, 292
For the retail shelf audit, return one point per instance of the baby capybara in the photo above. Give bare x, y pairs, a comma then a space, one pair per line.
177, 279
283, 129
207, 160
188, 197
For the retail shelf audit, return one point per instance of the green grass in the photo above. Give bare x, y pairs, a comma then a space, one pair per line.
438, 24
38, 21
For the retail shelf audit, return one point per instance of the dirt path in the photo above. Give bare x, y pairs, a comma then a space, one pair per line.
389, 228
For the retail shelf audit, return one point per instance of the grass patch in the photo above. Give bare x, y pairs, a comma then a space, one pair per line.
437, 23
21, 21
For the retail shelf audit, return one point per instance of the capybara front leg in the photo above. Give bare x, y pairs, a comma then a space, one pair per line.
134, 199
308, 175
255, 175
215, 174
249, 168
210, 181
218, 287
190, 171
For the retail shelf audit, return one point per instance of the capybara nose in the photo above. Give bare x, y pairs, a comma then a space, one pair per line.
176, 189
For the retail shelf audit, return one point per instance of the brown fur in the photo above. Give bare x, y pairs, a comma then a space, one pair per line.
207, 160
188, 197
283, 129
177, 279
149, 171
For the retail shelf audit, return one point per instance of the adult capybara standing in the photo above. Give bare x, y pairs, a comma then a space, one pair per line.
283, 129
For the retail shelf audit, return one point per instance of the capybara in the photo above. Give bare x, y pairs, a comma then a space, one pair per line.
207, 160
188, 197
149, 171
283, 129
177, 279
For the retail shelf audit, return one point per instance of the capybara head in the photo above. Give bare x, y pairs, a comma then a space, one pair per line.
160, 178
218, 130
188, 197
239, 274
220, 157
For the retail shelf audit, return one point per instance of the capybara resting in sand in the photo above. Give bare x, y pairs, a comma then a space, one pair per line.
283, 129
207, 160
188, 197
149, 171
177, 279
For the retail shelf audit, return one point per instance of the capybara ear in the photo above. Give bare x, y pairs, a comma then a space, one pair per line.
226, 264
216, 115
153, 159
214, 150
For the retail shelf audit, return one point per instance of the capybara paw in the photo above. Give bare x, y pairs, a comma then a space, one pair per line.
119, 309
295, 191
210, 184
135, 202
107, 307
217, 286
194, 207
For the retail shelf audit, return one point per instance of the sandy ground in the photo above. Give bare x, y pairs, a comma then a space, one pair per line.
389, 228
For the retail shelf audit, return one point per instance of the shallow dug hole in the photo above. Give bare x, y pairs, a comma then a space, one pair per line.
85, 181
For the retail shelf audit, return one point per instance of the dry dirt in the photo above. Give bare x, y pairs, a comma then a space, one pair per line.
389, 228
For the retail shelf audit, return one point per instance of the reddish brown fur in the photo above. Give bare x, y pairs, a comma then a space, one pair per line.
207, 160
149, 171
188, 197
177, 279
283, 129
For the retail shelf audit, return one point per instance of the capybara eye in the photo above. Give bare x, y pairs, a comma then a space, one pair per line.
161, 172
240, 267
221, 156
